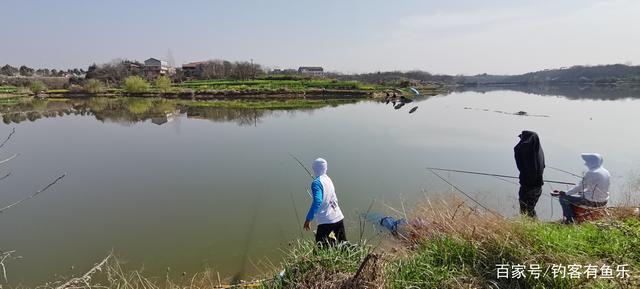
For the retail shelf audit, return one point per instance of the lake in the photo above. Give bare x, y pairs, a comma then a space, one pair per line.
215, 187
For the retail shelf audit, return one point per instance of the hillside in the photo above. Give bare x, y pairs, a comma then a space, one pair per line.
601, 74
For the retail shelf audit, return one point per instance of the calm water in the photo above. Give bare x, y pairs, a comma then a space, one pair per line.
212, 187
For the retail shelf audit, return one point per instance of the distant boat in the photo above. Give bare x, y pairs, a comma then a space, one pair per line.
413, 109
414, 90
399, 105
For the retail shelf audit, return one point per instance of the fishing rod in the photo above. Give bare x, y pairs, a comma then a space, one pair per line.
305, 168
461, 191
302, 165
493, 175
566, 172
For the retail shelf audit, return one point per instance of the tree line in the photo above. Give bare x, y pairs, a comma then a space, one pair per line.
26, 71
397, 77
221, 69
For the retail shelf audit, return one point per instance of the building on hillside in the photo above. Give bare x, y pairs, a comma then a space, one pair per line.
155, 67
193, 69
311, 70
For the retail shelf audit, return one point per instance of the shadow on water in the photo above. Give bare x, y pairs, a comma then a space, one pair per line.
127, 111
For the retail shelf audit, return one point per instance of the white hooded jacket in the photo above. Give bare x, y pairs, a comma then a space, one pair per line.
595, 183
325, 202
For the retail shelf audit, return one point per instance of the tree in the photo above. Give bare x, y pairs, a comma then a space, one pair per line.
37, 86
8, 70
163, 84
135, 84
115, 71
94, 86
26, 71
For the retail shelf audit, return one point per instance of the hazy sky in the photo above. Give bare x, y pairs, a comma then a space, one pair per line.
450, 37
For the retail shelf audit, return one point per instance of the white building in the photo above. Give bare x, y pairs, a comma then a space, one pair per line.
155, 67
311, 70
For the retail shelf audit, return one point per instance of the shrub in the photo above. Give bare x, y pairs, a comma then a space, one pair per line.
37, 86
94, 86
163, 84
135, 84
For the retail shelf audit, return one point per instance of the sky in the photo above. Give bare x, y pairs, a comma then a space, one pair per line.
450, 37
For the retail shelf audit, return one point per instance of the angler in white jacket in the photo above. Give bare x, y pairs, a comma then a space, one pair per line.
592, 191
324, 207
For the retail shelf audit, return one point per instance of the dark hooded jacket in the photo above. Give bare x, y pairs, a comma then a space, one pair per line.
529, 159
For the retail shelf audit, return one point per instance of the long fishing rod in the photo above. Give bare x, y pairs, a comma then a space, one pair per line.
461, 191
305, 168
493, 175
566, 172
302, 165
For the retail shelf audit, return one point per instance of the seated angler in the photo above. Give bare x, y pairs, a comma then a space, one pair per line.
591, 191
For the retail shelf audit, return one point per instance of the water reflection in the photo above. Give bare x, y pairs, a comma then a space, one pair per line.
593, 92
127, 111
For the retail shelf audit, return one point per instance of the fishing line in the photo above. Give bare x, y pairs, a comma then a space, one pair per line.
492, 175
295, 210
459, 190
566, 172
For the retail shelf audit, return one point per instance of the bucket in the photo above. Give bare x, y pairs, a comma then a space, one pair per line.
582, 214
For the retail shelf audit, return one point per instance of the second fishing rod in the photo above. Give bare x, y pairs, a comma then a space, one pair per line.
494, 175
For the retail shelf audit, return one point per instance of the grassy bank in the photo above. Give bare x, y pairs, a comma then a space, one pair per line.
445, 245
454, 246
256, 89
274, 88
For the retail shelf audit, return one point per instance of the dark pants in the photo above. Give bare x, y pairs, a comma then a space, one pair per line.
528, 199
568, 201
324, 230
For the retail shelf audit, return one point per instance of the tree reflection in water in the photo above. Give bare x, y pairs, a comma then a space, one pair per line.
127, 111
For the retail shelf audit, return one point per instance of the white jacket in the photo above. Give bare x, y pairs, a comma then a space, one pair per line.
324, 206
594, 186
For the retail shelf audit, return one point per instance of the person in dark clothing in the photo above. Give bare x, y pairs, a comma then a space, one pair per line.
530, 161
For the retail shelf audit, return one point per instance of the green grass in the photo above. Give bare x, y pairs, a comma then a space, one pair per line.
306, 264
448, 261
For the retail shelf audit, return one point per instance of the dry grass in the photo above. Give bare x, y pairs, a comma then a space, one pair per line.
454, 218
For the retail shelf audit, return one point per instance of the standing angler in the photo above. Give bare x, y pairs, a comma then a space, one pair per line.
325, 207
530, 161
